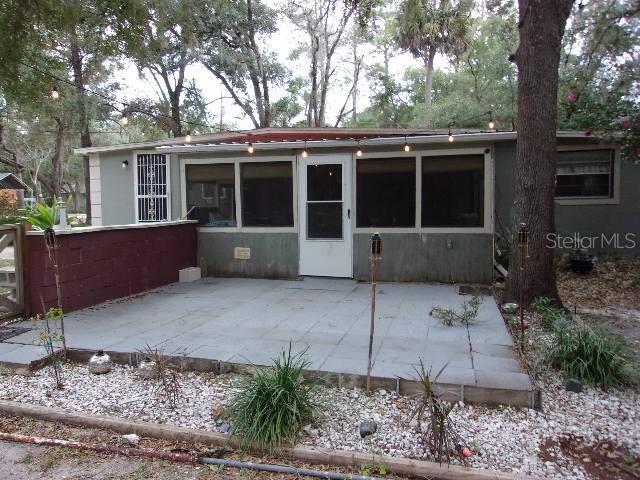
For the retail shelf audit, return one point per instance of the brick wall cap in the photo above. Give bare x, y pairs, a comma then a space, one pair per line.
104, 228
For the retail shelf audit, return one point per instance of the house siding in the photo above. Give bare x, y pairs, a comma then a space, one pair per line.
428, 257
585, 220
273, 255
118, 193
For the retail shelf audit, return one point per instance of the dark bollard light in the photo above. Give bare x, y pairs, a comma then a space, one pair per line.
376, 246
523, 244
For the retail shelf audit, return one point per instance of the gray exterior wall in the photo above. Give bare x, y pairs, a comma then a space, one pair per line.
273, 255
118, 194
428, 257
585, 220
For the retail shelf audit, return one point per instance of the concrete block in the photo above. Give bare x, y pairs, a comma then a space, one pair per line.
190, 274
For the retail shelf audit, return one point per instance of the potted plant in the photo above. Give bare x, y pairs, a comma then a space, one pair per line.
581, 262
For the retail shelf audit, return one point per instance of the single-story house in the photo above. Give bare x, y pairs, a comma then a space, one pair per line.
286, 202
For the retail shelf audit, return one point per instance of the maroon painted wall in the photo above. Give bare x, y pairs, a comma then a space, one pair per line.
101, 265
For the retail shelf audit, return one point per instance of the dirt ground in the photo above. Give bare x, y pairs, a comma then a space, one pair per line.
20, 461
608, 297
30, 462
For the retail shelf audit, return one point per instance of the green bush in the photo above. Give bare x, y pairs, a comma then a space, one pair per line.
635, 280
271, 407
550, 313
590, 356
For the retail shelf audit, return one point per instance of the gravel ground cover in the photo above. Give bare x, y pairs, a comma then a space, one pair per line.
507, 439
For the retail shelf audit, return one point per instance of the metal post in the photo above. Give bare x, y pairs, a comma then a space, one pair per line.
376, 256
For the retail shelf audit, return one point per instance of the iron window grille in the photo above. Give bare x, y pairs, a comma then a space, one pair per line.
152, 188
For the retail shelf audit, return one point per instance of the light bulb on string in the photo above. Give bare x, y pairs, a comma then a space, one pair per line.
250, 148
406, 145
55, 93
359, 151
187, 137
492, 124
124, 120
450, 134
305, 154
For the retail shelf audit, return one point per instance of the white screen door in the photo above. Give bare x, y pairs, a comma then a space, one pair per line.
325, 215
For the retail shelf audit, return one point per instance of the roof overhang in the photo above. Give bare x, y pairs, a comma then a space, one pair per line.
8, 181
237, 141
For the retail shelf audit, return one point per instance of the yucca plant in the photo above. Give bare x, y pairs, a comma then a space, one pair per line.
590, 356
272, 405
42, 216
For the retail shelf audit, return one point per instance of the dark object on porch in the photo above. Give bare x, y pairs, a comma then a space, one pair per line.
10, 332
574, 385
475, 290
581, 262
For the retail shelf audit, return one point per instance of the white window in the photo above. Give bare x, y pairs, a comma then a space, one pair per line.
152, 188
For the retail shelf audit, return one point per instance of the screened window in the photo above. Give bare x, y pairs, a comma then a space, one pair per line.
585, 173
453, 191
152, 192
267, 194
386, 192
211, 194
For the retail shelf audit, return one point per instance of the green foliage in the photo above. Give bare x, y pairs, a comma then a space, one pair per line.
442, 26
468, 314
590, 356
42, 216
551, 314
52, 339
635, 280
271, 407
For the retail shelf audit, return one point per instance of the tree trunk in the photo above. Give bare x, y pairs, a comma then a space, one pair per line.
428, 85
542, 24
85, 135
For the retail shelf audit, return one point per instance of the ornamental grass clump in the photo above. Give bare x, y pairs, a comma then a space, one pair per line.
590, 356
271, 407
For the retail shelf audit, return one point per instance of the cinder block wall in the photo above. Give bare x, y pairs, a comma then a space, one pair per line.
105, 263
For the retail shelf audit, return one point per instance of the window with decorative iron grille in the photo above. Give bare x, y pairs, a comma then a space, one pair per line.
152, 188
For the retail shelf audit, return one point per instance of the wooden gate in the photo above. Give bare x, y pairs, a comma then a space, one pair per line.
11, 278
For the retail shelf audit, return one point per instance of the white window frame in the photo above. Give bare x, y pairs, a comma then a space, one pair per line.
134, 164
237, 161
615, 185
489, 165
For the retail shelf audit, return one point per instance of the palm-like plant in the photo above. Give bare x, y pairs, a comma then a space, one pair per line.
42, 216
426, 27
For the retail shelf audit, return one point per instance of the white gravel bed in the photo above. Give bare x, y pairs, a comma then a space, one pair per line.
506, 438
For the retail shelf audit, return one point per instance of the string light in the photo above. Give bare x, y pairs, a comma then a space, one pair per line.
250, 148
187, 137
359, 151
124, 120
450, 134
492, 125
406, 145
304, 152
55, 93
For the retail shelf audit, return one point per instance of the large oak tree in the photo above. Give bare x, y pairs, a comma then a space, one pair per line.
541, 27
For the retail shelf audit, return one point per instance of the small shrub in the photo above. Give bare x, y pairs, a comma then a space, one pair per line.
590, 356
469, 313
271, 407
439, 431
635, 280
550, 313
167, 382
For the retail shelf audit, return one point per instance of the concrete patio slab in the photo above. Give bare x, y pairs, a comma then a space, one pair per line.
241, 321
